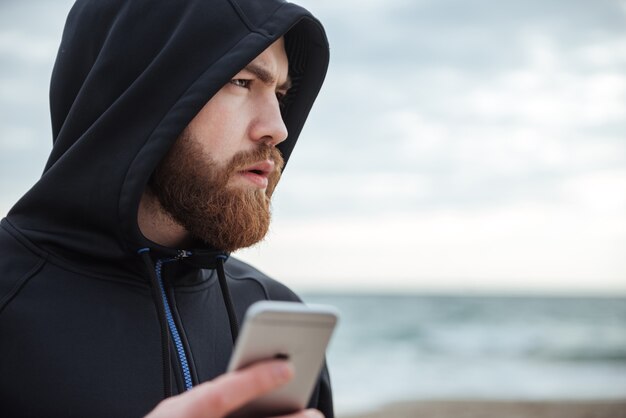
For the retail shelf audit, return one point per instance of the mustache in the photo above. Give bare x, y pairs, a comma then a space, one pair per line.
243, 159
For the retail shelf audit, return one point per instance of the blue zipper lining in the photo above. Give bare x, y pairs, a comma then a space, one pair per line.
172, 326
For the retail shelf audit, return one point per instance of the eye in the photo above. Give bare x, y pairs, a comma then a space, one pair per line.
241, 82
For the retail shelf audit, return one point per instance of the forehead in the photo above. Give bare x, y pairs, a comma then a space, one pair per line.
274, 60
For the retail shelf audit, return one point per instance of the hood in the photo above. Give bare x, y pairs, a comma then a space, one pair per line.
129, 76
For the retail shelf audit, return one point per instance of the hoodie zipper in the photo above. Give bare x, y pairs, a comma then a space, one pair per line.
180, 349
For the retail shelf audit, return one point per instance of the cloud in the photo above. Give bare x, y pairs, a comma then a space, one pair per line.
30, 32
470, 140
29, 49
531, 112
602, 192
522, 246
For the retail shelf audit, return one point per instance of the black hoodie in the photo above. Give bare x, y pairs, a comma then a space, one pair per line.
83, 330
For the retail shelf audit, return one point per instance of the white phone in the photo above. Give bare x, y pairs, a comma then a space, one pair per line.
289, 330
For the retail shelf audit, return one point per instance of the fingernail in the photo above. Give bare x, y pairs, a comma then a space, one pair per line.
282, 371
313, 413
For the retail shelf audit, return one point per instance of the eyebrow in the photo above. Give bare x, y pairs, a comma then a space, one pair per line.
266, 77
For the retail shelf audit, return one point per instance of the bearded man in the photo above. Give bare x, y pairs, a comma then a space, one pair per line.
172, 122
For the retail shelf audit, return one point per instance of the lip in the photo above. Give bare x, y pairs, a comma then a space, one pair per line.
259, 173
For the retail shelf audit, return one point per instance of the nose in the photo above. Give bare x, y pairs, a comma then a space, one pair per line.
268, 126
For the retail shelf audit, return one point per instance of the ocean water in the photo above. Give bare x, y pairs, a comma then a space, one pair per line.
405, 347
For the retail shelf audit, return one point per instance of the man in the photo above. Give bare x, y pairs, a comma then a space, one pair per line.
171, 123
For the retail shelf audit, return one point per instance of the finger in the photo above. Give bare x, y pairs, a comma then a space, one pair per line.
233, 390
307, 413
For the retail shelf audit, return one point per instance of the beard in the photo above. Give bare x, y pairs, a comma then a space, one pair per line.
194, 190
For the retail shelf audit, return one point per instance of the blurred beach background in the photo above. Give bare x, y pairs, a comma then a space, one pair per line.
459, 193
392, 348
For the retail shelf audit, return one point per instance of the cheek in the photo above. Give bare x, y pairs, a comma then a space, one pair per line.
220, 129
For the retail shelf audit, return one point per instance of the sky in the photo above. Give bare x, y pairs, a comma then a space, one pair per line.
455, 146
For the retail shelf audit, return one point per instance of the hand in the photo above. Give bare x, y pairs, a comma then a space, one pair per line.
229, 392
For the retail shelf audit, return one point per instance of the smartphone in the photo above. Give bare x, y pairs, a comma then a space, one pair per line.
286, 330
